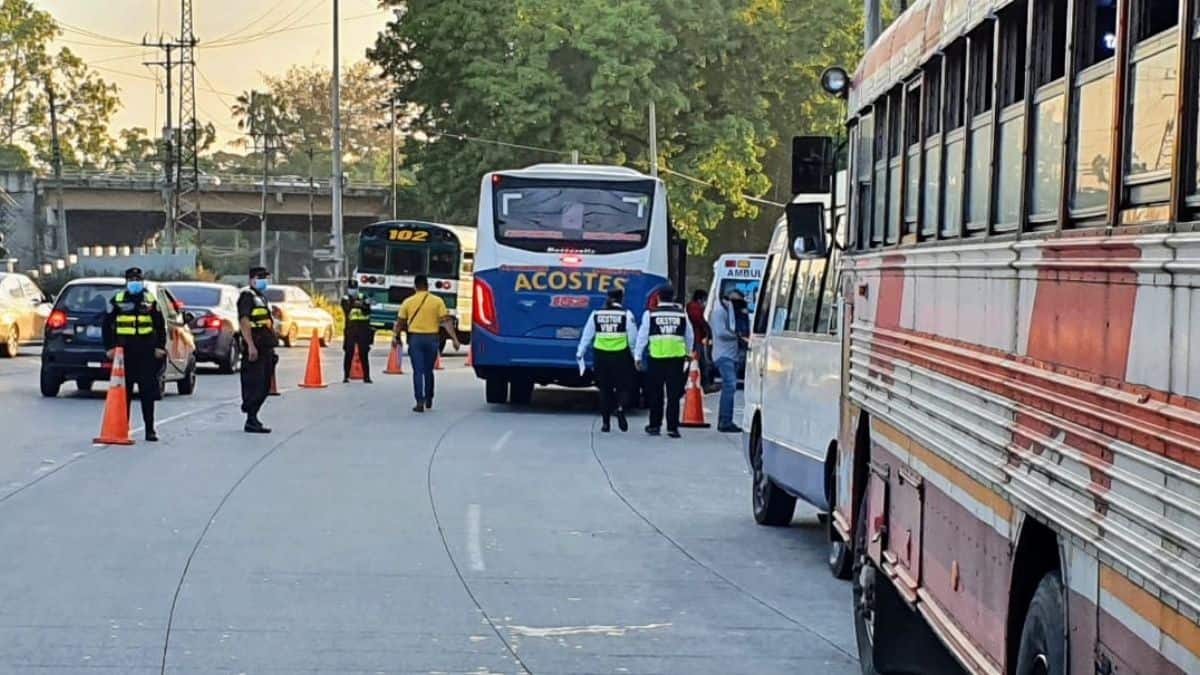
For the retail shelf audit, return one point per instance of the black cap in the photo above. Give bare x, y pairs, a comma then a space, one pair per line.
353, 283
133, 273
616, 295
259, 271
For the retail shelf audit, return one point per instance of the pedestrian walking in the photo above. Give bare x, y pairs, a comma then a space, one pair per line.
726, 347
259, 340
422, 316
611, 333
662, 353
135, 323
358, 334
703, 335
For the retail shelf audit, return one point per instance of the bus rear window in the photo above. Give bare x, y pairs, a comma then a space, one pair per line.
548, 216
372, 258
405, 261
443, 264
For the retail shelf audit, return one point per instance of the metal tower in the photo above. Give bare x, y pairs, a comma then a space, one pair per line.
187, 193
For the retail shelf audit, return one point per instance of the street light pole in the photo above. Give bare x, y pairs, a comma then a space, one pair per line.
392, 104
336, 183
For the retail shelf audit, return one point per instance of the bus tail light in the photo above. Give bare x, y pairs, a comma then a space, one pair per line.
484, 301
652, 300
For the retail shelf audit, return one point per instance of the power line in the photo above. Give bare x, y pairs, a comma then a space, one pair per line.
701, 181
247, 26
262, 36
96, 36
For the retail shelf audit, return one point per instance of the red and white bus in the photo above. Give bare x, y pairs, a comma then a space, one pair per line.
1018, 465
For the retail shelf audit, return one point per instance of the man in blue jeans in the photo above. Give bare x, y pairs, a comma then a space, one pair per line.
725, 344
423, 315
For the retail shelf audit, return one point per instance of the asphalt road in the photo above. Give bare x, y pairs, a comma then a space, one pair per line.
360, 537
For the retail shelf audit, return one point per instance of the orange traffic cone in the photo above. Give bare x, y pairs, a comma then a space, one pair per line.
274, 387
314, 377
437, 363
468, 361
693, 399
356, 369
114, 427
395, 362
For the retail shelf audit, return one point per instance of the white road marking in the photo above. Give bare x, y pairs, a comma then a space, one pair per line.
474, 549
499, 444
560, 631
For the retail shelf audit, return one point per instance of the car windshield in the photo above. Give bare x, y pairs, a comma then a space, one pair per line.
86, 298
196, 296
275, 294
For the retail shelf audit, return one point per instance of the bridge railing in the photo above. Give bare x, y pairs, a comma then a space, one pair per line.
236, 181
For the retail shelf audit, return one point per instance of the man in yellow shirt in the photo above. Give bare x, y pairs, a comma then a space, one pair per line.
422, 316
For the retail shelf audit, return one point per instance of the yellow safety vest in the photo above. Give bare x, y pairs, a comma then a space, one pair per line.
129, 321
260, 314
357, 313
611, 330
668, 333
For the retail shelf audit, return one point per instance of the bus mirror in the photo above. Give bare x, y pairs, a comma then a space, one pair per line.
806, 229
811, 165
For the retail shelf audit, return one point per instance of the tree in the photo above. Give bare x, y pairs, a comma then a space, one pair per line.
28, 70
731, 80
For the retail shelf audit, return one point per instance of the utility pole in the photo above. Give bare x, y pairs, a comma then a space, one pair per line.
60, 214
874, 23
187, 193
392, 106
169, 148
653, 142
336, 184
311, 190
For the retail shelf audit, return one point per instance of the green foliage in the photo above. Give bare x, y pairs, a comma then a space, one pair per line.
732, 81
334, 307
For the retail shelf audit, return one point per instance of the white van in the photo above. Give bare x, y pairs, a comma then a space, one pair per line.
737, 271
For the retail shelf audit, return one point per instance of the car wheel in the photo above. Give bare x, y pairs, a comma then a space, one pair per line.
522, 392
862, 586
497, 390
1044, 636
233, 358
51, 383
772, 506
84, 385
327, 338
12, 343
187, 385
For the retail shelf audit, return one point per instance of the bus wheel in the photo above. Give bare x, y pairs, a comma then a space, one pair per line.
863, 592
1043, 648
497, 390
772, 506
522, 392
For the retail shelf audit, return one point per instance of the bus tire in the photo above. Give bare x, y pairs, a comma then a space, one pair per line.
522, 392
496, 389
863, 587
772, 506
1044, 638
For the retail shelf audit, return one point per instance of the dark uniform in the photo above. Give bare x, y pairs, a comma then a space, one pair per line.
666, 337
358, 333
256, 374
610, 333
135, 323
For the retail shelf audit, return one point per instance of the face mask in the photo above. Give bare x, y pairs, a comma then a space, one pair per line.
135, 286
260, 285
353, 292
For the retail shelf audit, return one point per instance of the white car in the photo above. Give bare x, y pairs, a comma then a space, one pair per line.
23, 312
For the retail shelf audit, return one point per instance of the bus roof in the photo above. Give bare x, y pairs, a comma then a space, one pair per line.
586, 171
465, 234
925, 28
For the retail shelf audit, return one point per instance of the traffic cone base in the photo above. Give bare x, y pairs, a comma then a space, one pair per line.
356, 368
395, 362
114, 426
437, 363
468, 361
314, 377
693, 400
274, 391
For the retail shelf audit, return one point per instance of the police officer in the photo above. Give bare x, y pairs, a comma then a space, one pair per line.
358, 332
611, 332
135, 323
663, 339
258, 337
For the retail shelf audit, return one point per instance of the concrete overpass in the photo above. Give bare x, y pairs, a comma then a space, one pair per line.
115, 208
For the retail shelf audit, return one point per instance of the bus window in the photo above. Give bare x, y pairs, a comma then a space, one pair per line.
783, 296
441, 263
827, 322
406, 261
764, 293
373, 258
543, 216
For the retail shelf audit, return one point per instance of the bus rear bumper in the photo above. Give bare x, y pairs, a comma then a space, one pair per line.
537, 359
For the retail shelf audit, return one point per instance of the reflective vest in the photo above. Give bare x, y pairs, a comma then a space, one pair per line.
260, 314
668, 333
358, 311
611, 326
134, 319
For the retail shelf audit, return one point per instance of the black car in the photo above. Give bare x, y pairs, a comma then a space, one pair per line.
74, 342
214, 323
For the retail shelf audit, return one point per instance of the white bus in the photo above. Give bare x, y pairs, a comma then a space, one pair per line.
793, 378
552, 240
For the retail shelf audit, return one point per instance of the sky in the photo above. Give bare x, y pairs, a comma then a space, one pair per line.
248, 38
